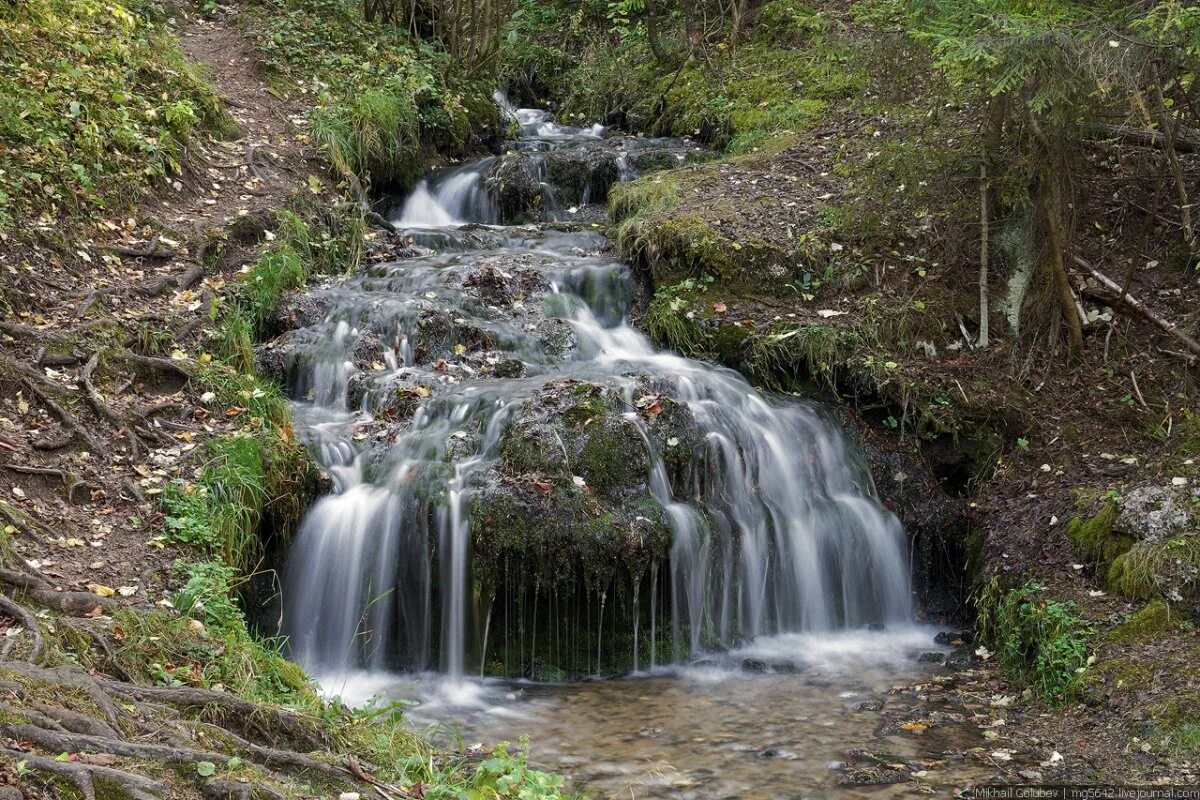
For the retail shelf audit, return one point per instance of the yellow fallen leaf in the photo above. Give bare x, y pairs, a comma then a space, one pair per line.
101, 589
915, 727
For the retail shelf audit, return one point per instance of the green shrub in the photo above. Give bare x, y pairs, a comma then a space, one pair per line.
244, 477
1040, 642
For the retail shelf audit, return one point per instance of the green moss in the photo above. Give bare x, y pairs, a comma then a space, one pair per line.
1186, 738
822, 351
562, 536
1148, 569
613, 457
1151, 622
586, 410
1096, 544
1127, 674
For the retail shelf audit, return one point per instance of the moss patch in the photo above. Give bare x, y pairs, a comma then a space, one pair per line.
1169, 567
1095, 541
1151, 622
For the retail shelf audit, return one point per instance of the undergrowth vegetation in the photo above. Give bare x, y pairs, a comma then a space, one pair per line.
382, 98
96, 102
777, 80
1040, 642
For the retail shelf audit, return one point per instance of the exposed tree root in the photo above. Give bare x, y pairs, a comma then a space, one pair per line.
153, 363
26, 618
85, 776
74, 603
73, 677
249, 718
38, 385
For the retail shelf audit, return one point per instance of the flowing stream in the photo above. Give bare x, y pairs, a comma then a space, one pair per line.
526, 488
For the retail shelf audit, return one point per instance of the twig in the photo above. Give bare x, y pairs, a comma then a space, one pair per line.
1138, 392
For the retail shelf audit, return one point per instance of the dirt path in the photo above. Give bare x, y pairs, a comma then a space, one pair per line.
103, 415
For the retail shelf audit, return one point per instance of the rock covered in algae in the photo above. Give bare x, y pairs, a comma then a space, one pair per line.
571, 493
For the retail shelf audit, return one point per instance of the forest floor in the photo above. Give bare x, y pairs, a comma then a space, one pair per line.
114, 330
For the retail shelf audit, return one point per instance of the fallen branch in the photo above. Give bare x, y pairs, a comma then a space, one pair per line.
154, 363
1132, 302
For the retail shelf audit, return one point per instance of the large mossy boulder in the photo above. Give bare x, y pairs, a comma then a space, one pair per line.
570, 495
1146, 543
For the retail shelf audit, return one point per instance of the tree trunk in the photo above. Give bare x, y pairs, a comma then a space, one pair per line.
1168, 128
652, 33
1052, 209
984, 211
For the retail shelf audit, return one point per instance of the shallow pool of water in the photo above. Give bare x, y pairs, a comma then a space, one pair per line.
778, 719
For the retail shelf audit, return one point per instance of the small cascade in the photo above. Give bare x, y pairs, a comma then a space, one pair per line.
525, 485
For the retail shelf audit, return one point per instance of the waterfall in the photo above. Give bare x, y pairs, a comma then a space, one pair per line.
773, 523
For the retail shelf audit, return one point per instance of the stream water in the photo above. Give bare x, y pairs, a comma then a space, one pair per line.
721, 549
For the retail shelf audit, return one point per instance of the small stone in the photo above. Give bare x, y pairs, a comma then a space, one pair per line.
932, 657
754, 665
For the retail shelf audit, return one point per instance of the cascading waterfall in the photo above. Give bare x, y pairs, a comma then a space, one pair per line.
773, 524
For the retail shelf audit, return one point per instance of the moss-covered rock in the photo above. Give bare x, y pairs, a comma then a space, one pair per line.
1170, 568
1096, 542
570, 496
1151, 622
